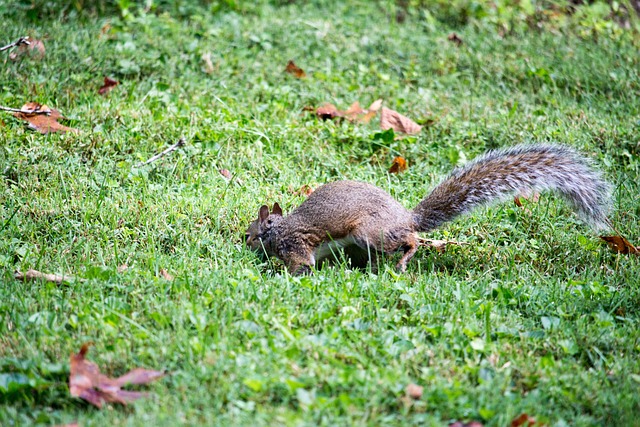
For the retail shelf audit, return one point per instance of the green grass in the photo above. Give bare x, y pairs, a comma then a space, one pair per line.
534, 315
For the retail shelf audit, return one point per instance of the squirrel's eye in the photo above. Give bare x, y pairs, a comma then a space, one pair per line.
269, 221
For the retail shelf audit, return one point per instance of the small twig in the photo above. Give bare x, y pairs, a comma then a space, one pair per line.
174, 147
21, 40
20, 110
438, 245
32, 275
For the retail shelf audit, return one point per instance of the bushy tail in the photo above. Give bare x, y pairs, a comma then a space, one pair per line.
500, 174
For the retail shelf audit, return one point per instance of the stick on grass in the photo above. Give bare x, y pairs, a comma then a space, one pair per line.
174, 147
33, 275
20, 110
21, 40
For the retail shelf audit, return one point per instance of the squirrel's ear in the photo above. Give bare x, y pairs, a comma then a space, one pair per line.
276, 209
263, 213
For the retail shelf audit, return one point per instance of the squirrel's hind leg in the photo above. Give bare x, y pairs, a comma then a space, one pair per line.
409, 247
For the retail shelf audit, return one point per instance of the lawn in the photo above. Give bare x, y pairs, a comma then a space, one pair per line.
532, 314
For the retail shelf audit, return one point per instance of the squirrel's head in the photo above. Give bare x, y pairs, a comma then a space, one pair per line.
259, 236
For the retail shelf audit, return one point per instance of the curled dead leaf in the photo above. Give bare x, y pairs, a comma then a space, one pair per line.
453, 37
225, 173
414, 391
109, 84
86, 381
399, 165
375, 105
294, 70
621, 245
165, 274
35, 49
370, 112
208, 64
328, 111
42, 118
526, 195
523, 420
390, 119
354, 111
305, 190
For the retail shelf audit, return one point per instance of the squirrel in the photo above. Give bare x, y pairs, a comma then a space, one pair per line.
364, 219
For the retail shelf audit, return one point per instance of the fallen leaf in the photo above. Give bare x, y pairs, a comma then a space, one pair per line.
33, 275
328, 111
523, 420
453, 37
390, 119
533, 198
42, 118
34, 49
165, 274
106, 29
370, 112
621, 245
109, 84
305, 190
86, 381
354, 111
295, 71
399, 165
375, 105
208, 64
225, 173
414, 391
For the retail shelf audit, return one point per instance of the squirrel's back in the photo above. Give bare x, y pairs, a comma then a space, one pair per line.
500, 174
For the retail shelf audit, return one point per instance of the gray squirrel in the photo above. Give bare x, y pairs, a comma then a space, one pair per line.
366, 221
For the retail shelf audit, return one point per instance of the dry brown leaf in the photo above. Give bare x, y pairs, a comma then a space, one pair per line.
208, 64
469, 424
43, 123
106, 29
390, 119
354, 111
375, 105
370, 112
33, 275
414, 391
399, 165
35, 49
453, 37
225, 173
328, 111
86, 381
621, 245
295, 71
523, 420
305, 190
533, 198
165, 274
109, 84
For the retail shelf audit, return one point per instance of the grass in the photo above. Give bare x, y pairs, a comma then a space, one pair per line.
534, 315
